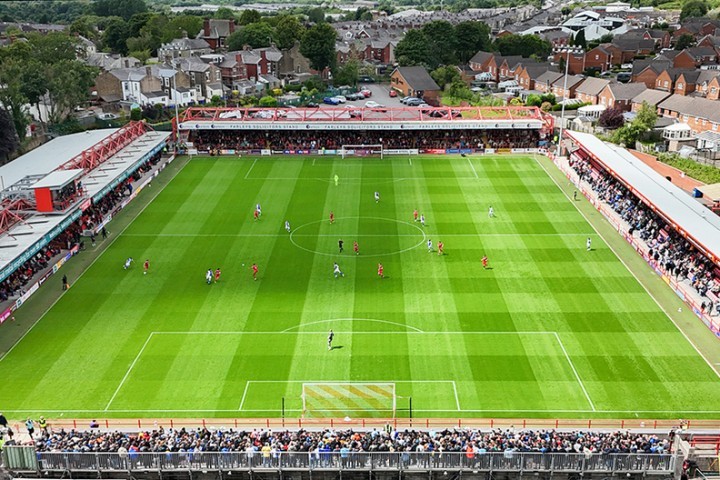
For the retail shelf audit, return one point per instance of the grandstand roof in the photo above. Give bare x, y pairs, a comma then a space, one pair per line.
59, 178
38, 230
692, 219
50, 156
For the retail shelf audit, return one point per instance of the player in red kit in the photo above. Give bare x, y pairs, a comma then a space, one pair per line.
256, 215
415, 215
440, 247
332, 217
356, 248
146, 267
485, 261
254, 270
217, 275
380, 271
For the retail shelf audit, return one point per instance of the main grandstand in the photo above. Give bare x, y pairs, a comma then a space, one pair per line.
564, 340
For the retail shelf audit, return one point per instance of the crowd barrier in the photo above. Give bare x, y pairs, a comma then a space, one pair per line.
684, 292
20, 458
190, 150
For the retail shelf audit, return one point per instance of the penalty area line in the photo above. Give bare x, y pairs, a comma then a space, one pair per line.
127, 374
251, 167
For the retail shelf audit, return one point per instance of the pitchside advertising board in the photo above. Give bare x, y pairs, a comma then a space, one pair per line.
389, 151
368, 125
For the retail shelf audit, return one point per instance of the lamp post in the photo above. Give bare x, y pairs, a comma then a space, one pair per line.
562, 108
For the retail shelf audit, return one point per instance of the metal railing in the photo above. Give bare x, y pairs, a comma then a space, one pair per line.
20, 458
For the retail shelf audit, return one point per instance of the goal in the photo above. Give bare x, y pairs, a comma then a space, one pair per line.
361, 150
351, 399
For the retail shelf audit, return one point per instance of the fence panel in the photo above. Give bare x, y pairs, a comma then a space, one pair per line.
390, 461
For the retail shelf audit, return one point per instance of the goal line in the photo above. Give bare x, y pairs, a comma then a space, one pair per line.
320, 398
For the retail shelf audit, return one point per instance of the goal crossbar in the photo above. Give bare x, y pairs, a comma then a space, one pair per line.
361, 150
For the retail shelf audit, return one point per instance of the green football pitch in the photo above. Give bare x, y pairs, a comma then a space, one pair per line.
548, 330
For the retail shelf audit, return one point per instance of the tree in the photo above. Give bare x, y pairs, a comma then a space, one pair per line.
224, 13
9, 141
442, 42
646, 116
288, 31
412, 49
686, 40
190, 24
523, 45
693, 8
142, 55
119, 8
316, 15
69, 83
644, 122
533, 100
471, 37
318, 46
347, 74
115, 36
445, 75
249, 16
611, 118
579, 40
136, 114
85, 26
257, 35
268, 101
11, 95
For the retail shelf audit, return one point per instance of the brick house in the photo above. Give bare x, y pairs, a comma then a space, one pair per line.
545, 81
526, 78
589, 90
666, 79
510, 65
620, 95
599, 58
700, 114
215, 32
480, 61
206, 78
649, 96
647, 71
575, 61
415, 82
247, 64
562, 90
712, 89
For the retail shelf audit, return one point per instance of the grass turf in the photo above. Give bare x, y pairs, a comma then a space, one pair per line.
551, 330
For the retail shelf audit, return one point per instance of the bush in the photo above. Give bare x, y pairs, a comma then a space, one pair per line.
698, 171
136, 114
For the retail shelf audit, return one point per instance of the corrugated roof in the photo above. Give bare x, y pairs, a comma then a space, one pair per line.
702, 225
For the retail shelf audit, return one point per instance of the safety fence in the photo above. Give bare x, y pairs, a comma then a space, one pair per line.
24, 458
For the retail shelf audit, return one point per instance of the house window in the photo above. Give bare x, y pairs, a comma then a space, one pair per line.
714, 126
704, 122
665, 83
680, 86
597, 57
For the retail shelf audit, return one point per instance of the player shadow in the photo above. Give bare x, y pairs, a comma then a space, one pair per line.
488, 268
336, 347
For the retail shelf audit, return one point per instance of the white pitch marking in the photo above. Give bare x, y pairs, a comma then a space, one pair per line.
473, 168
247, 384
457, 399
474, 235
423, 410
712, 367
122, 232
127, 374
577, 376
250, 170
288, 330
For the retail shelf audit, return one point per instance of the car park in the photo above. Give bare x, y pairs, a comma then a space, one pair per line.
366, 92
331, 101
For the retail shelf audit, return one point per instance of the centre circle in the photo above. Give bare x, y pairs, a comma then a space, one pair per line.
376, 236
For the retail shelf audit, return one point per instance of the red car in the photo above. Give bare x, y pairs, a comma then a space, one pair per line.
366, 93
393, 94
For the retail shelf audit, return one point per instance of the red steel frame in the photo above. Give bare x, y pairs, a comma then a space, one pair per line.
96, 155
13, 212
439, 115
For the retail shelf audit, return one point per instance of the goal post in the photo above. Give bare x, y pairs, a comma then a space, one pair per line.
331, 399
362, 150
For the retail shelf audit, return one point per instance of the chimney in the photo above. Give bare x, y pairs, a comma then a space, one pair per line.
148, 70
206, 27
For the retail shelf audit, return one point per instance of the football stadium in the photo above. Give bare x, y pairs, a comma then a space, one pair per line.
375, 291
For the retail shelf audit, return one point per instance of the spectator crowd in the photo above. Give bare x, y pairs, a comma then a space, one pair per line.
326, 441
215, 140
672, 253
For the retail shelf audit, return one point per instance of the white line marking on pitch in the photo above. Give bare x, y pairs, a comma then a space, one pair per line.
46, 410
127, 374
411, 332
82, 272
712, 367
410, 161
242, 401
250, 170
473, 168
577, 376
273, 235
457, 399
287, 330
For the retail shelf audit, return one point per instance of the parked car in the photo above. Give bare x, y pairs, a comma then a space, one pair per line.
331, 100
375, 106
341, 98
392, 93
312, 105
353, 111
366, 92
366, 79
414, 102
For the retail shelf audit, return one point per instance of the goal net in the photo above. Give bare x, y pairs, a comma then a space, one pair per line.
352, 399
361, 151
